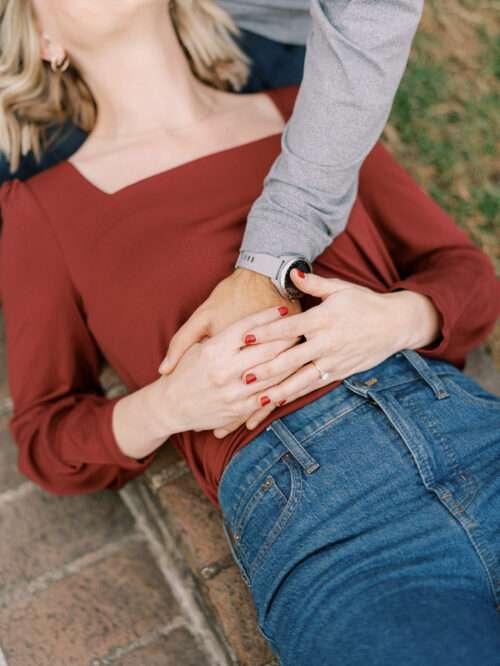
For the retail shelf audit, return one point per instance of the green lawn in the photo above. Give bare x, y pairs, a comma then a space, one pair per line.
445, 122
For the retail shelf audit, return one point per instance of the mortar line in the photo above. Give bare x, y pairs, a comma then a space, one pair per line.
198, 624
143, 641
21, 594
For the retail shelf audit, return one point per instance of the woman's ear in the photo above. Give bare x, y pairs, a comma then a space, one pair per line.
50, 51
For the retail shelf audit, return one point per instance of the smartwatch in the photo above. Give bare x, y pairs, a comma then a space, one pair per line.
276, 268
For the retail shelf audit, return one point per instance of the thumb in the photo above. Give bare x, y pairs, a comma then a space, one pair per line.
191, 332
315, 285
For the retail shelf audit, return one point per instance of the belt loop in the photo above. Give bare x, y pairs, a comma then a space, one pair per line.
427, 373
289, 441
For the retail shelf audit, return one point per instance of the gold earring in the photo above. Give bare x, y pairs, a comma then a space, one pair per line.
57, 65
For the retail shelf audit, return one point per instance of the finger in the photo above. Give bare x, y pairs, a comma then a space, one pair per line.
256, 355
247, 395
192, 331
255, 419
259, 415
230, 427
304, 378
294, 326
289, 360
234, 335
315, 285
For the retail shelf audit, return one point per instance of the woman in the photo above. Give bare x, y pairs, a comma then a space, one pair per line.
364, 515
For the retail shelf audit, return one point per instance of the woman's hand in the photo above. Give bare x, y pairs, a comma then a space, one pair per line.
209, 387
242, 293
353, 329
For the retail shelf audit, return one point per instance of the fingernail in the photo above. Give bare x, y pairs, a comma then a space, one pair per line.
281, 403
250, 378
250, 339
283, 310
163, 367
265, 400
300, 273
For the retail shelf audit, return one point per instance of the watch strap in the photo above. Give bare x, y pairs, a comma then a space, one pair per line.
266, 264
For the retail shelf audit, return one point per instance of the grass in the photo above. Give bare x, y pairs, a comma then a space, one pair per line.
445, 123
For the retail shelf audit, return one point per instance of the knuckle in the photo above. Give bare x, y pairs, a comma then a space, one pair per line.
269, 370
209, 353
227, 397
219, 377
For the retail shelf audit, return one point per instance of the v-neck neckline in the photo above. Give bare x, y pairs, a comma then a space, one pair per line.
175, 169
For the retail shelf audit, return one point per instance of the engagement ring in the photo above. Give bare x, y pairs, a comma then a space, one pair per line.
325, 376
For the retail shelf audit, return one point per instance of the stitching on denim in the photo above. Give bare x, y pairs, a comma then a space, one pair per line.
236, 557
248, 510
483, 402
456, 472
399, 425
335, 418
296, 491
248, 490
475, 535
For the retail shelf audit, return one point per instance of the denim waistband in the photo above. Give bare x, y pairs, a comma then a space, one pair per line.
291, 434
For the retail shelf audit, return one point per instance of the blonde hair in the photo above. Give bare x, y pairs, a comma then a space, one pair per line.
33, 97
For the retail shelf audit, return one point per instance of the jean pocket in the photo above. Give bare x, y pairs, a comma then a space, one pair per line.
263, 517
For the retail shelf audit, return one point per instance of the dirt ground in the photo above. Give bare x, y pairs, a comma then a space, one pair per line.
445, 123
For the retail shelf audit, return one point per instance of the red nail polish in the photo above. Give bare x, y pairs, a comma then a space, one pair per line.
281, 403
250, 378
264, 400
283, 310
250, 339
301, 274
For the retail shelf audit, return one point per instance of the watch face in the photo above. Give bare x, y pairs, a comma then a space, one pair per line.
291, 289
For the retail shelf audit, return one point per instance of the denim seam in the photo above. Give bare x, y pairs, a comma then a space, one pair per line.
296, 488
483, 402
421, 461
236, 557
255, 500
456, 472
477, 540
245, 491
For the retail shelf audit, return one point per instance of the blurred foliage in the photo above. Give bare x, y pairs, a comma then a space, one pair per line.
445, 124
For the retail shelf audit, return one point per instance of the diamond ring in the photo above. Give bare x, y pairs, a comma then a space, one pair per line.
325, 376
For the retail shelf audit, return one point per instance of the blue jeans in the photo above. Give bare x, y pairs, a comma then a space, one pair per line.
273, 65
367, 523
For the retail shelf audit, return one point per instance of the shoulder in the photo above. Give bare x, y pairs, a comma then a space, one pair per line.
284, 98
33, 199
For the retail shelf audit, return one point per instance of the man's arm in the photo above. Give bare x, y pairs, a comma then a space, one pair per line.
356, 54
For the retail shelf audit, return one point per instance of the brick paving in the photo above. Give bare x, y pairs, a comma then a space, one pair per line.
143, 577
80, 582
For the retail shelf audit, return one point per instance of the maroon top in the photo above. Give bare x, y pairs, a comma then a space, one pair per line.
89, 276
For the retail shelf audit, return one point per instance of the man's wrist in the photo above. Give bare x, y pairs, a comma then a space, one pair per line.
251, 276
277, 268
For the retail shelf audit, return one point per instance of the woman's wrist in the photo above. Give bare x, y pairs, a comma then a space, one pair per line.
415, 319
142, 422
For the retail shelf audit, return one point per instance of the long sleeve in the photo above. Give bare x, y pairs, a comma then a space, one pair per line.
62, 421
357, 51
433, 256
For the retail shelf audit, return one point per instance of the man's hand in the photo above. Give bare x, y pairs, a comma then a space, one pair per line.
237, 296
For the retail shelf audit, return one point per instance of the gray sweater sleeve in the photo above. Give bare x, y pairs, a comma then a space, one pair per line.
357, 51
